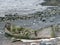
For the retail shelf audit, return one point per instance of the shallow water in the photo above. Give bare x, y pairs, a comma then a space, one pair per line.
21, 7
32, 23
37, 23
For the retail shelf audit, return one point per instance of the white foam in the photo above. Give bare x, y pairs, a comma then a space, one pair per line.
22, 6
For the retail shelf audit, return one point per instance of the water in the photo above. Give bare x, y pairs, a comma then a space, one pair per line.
24, 7
37, 23
20, 6
32, 23
2, 32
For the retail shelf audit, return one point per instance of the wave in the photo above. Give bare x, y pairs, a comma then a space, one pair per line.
20, 6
